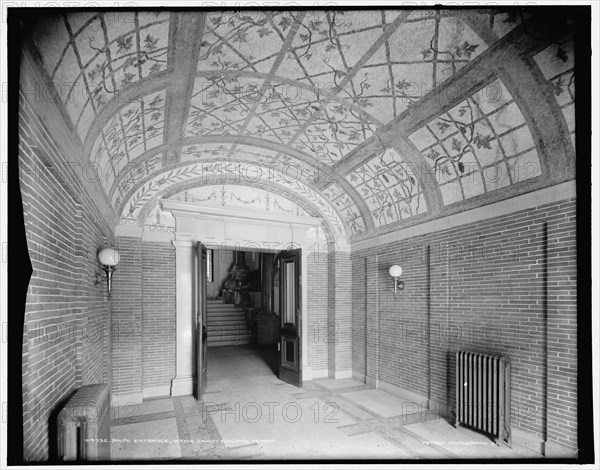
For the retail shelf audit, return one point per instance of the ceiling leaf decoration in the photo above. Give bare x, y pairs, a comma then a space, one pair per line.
425, 50
480, 145
334, 133
346, 207
220, 104
135, 129
230, 39
329, 44
101, 54
319, 103
282, 111
389, 187
503, 22
557, 63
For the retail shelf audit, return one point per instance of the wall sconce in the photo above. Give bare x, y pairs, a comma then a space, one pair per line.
396, 272
109, 258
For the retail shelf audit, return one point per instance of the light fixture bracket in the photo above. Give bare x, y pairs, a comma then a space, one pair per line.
108, 257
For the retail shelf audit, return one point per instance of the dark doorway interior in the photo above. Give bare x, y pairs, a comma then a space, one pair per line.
243, 311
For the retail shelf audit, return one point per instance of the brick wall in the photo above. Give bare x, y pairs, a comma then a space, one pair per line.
340, 312
143, 318
317, 314
359, 315
66, 340
507, 282
127, 320
158, 313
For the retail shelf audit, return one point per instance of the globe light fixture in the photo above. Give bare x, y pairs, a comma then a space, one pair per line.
396, 272
108, 258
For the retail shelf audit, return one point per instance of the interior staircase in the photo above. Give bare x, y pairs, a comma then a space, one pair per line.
226, 324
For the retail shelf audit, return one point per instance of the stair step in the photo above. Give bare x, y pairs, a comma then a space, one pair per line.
217, 308
225, 310
230, 337
231, 343
226, 326
227, 316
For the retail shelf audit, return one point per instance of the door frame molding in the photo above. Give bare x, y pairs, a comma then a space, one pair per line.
255, 231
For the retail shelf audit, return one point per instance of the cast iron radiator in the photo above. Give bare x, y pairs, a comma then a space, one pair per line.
483, 393
84, 425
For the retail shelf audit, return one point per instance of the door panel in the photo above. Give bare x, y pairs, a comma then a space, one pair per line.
290, 357
201, 333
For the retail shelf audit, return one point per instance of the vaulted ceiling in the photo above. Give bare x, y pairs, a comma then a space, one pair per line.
372, 120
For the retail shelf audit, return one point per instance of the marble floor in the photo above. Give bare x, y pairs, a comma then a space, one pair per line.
249, 414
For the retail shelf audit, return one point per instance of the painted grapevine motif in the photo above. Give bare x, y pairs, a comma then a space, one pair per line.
103, 54
320, 83
480, 145
389, 188
557, 63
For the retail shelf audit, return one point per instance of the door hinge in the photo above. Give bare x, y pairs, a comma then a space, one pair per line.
278, 346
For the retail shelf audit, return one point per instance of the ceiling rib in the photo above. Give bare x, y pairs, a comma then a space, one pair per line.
188, 32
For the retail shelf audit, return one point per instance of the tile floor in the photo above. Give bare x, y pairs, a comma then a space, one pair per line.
248, 413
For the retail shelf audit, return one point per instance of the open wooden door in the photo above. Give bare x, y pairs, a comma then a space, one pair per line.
290, 298
200, 334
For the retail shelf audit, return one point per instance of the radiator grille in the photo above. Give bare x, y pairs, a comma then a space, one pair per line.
84, 425
483, 393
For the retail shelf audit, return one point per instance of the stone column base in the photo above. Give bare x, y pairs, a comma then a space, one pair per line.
182, 386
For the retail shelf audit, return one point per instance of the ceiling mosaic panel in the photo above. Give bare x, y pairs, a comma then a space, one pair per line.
132, 131
307, 100
90, 57
346, 207
220, 104
426, 49
334, 133
557, 63
480, 145
329, 44
229, 42
197, 152
503, 22
389, 188
283, 109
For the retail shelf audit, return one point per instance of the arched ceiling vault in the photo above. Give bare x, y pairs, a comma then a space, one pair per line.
386, 117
